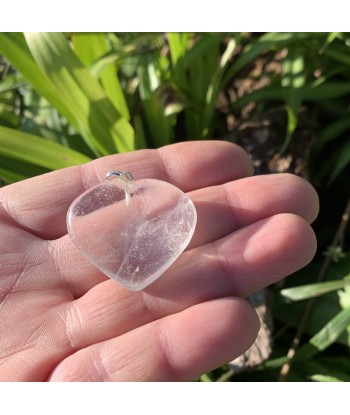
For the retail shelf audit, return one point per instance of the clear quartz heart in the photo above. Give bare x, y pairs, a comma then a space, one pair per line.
132, 234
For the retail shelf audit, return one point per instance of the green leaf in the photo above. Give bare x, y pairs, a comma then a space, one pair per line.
271, 92
269, 41
158, 123
140, 133
125, 49
9, 176
149, 77
40, 118
319, 342
293, 80
340, 56
325, 308
14, 170
90, 48
11, 83
341, 161
327, 90
331, 132
36, 150
344, 297
178, 43
205, 378
214, 88
335, 365
197, 75
326, 336
98, 121
14, 47
344, 301
9, 117
313, 290
194, 55
324, 378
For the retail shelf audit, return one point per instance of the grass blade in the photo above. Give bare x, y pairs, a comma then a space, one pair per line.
99, 122
178, 45
12, 170
14, 47
157, 123
324, 378
331, 132
327, 90
214, 88
271, 92
313, 290
90, 48
293, 80
340, 56
326, 336
319, 342
342, 159
36, 150
269, 41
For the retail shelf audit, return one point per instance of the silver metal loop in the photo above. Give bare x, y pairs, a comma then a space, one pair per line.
126, 176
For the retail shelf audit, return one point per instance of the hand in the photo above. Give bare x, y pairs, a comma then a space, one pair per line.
63, 320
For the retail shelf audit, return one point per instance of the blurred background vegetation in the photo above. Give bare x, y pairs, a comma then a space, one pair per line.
66, 98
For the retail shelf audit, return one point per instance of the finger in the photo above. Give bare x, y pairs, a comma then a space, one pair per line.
176, 348
234, 205
239, 264
40, 204
221, 210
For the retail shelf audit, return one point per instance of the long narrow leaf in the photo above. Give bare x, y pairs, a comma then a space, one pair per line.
9, 175
89, 48
325, 378
268, 93
142, 44
329, 90
214, 88
313, 290
158, 124
177, 45
14, 47
319, 342
342, 160
269, 41
326, 336
98, 120
36, 150
292, 81
340, 56
331, 132
14, 170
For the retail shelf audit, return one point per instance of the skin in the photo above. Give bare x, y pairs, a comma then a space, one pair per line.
63, 320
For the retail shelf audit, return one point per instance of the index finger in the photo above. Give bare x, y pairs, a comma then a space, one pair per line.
40, 204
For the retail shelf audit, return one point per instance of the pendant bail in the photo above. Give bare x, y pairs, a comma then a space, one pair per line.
124, 176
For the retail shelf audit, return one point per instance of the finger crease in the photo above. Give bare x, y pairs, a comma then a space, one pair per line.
164, 353
73, 325
226, 268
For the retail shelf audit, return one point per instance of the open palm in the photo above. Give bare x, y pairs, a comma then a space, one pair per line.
63, 320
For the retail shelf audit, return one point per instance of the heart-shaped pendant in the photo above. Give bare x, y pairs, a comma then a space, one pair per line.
132, 231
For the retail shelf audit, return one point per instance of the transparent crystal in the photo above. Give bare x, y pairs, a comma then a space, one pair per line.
135, 242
